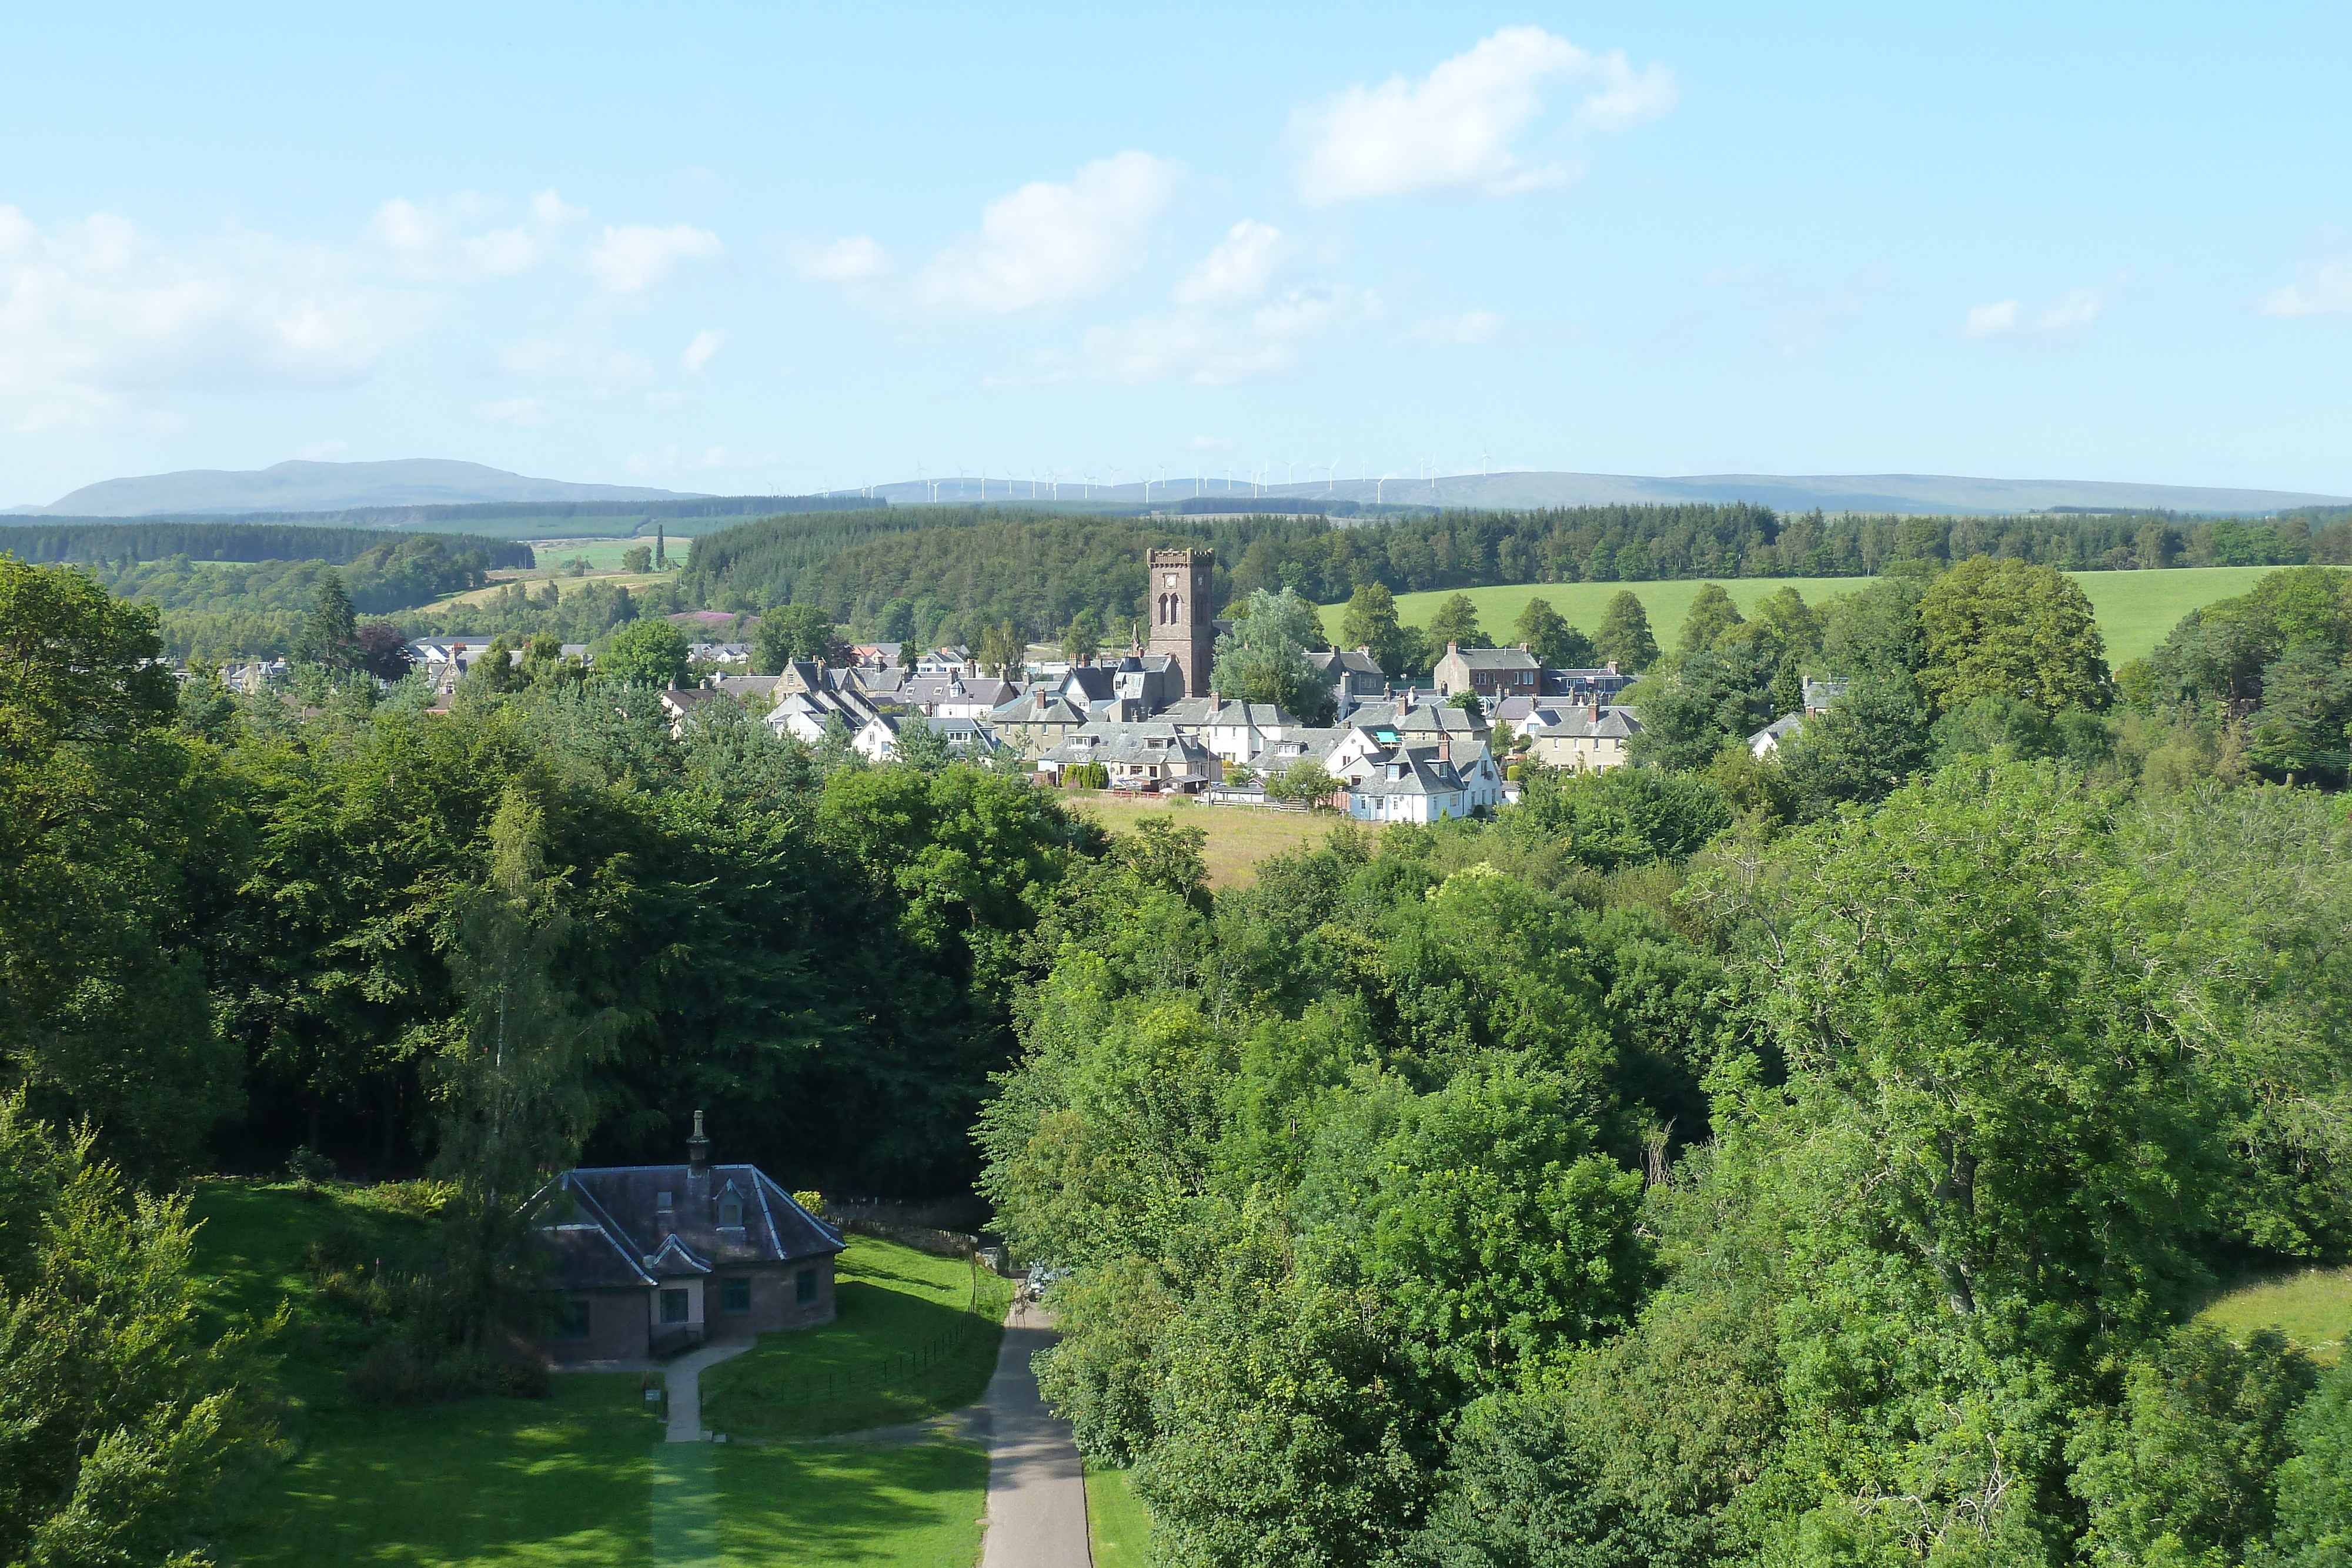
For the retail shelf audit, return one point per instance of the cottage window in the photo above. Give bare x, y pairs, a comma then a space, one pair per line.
662, 1200
804, 1286
730, 1212
735, 1295
574, 1323
673, 1306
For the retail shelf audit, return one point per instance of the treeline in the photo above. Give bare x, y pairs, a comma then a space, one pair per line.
907, 574
119, 544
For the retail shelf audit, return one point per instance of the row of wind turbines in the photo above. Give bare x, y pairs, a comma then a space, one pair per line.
1048, 484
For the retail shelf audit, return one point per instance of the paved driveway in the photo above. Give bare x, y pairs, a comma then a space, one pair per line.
1037, 1487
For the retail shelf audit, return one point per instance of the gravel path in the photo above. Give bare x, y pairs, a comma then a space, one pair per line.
1037, 1486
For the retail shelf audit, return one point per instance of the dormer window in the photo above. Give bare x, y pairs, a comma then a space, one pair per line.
730, 1211
663, 1200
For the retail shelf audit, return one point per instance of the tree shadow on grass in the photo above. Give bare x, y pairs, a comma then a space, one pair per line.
889, 1357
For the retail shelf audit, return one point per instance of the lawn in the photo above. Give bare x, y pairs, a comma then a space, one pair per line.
2135, 609
1116, 1525
603, 555
2312, 1308
1239, 836
581, 1477
911, 1340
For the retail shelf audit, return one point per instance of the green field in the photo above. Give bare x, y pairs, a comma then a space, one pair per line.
604, 555
2314, 1309
581, 1477
915, 1336
2135, 609
1119, 1529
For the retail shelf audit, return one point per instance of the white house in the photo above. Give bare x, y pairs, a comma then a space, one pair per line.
1238, 732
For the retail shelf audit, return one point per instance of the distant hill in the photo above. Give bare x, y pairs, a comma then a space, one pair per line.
1917, 494
329, 486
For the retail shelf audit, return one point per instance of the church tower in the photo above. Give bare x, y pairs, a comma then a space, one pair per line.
1181, 628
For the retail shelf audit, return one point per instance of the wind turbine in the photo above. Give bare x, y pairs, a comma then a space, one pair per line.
1290, 475
1331, 480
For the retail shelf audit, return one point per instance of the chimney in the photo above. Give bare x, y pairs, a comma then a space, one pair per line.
1612, 666
1595, 714
698, 1154
1452, 649
1444, 747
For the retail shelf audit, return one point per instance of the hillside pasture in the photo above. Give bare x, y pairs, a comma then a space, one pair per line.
2135, 609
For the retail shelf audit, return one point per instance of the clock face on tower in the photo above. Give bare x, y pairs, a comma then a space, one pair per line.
1171, 580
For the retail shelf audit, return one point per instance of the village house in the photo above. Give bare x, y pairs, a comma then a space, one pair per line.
1766, 741
1586, 685
1352, 674
654, 1259
1237, 731
1411, 784
1488, 674
1150, 756
1038, 720
968, 739
1585, 738
957, 696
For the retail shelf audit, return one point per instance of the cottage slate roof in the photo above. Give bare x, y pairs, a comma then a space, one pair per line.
741, 686
1093, 681
1418, 770
1778, 730
607, 1229
1209, 710
1107, 742
1614, 723
1517, 659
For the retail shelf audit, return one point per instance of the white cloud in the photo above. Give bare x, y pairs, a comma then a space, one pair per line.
1046, 244
1995, 320
703, 349
428, 240
856, 259
632, 258
1458, 129
2320, 288
1212, 444
571, 361
97, 317
1238, 270
515, 410
1457, 332
2063, 319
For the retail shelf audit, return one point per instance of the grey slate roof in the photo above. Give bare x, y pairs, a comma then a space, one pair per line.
1495, 658
1204, 711
607, 1230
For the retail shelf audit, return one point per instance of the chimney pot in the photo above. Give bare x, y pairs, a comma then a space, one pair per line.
698, 1151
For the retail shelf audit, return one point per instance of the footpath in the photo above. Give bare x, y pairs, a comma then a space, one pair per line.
1036, 1485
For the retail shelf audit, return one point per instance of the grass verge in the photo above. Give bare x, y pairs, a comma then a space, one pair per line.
916, 1335
1116, 1526
2314, 1309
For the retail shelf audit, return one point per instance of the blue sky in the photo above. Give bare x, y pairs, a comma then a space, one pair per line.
771, 248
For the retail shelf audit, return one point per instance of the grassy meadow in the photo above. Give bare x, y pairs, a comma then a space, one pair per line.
2135, 609
583, 1475
2314, 1309
1239, 836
